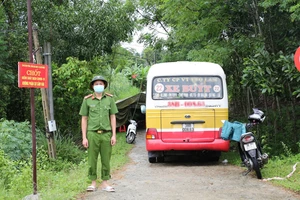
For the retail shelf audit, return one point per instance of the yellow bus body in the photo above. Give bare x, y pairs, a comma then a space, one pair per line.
185, 105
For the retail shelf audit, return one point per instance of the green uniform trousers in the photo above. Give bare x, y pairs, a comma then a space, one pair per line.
99, 144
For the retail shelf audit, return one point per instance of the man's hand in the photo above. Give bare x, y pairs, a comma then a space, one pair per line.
113, 140
85, 143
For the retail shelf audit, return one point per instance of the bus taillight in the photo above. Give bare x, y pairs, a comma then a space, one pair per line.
151, 134
219, 133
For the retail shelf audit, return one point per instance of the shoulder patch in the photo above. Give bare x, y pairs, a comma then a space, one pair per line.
88, 96
110, 95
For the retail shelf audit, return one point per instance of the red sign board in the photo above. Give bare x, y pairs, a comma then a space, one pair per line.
297, 58
32, 75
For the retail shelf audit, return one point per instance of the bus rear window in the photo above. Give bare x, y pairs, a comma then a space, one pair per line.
187, 87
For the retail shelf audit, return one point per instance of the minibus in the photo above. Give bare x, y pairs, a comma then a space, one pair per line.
185, 105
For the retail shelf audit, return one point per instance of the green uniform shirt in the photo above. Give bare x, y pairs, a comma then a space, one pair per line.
98, 112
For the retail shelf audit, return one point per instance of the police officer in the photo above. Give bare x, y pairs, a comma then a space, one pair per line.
98, 126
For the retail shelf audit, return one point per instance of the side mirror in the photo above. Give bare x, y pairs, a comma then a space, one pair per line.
143, 109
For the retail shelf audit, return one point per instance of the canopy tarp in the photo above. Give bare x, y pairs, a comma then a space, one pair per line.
129, 108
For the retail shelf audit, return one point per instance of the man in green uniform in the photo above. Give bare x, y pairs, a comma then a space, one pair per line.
98, 126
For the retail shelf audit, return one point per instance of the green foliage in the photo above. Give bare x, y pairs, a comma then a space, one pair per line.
14, 102
281, 139
16, 139
24, 177
290, 73
122, 58
210, 53
137, 75
286, 150
3, 48
290, 6
122, 87
263, 73
7, 171
68, 154
282, 167
83, 29
51, 176
67, 150
245, 38
71, 84
277, 166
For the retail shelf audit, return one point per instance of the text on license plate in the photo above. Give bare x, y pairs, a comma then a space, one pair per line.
187, 127
250, 146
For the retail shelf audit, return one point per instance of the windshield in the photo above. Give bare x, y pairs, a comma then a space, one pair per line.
187, 87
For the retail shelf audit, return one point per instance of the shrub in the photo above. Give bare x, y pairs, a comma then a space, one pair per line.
7, 169
16, 139
68, 154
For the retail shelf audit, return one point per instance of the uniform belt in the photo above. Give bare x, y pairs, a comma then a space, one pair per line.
102, 131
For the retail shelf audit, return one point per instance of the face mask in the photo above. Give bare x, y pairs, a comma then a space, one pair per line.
99, 88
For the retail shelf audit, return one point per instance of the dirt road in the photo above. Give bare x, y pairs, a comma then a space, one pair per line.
181, 179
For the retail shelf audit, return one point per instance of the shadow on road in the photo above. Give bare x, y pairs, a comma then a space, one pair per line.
187, 160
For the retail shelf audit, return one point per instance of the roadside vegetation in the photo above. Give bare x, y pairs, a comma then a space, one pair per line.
59, 179
254, 41
283, 170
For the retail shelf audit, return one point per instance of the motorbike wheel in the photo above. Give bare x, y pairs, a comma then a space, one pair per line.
130, 138
256, 167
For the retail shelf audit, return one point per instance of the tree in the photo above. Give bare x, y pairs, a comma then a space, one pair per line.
15, 102
254, 42
72, 85
83, 29
5, 74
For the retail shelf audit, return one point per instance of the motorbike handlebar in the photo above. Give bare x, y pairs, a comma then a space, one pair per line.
251, 124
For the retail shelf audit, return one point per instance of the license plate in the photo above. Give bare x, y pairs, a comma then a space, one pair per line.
250, 146
187, 127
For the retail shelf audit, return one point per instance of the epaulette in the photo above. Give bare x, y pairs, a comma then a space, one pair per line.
110, 95
88, 96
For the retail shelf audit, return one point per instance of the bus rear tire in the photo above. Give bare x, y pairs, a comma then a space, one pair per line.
214, 159
161, 159
214, 156
152, 159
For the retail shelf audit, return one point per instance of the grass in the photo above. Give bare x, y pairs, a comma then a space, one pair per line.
276, 167
65, 184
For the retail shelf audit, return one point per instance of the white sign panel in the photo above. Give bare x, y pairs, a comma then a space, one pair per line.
52, 125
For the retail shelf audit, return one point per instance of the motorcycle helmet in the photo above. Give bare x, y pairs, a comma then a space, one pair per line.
98, 78
257, 117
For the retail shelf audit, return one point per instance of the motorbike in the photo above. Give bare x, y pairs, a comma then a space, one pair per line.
131, 131
249, 147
